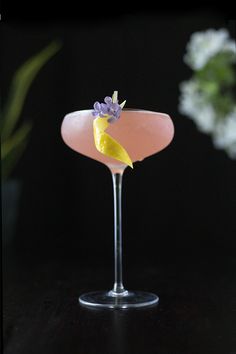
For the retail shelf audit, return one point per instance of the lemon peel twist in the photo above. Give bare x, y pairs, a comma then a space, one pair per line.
107, 113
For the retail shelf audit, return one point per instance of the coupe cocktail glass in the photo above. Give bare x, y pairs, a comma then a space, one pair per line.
142, 133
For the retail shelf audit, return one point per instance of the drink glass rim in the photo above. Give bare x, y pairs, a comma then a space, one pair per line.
124, 110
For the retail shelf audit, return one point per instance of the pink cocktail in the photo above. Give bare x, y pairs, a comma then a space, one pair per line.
142, 133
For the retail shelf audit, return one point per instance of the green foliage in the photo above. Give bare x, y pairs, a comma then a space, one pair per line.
216, 81
13, 137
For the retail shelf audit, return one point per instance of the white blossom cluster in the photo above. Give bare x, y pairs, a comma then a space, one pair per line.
193, 101
204, 45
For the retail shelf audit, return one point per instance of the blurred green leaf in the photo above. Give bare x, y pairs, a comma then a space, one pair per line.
20, 85
14, 140
12, 148
216, 82
219, 70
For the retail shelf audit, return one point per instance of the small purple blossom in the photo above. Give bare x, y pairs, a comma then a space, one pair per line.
108, 109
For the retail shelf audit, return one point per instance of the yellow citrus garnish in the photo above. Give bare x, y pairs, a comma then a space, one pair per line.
106, 144
107, 113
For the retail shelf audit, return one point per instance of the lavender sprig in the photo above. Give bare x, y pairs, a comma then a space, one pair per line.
110, 108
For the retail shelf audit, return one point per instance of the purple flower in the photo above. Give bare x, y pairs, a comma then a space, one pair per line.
97, 110
108, 109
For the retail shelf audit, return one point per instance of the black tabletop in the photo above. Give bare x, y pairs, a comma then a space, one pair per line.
195, 315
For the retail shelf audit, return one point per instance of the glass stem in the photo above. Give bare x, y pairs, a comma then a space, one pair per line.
118, 288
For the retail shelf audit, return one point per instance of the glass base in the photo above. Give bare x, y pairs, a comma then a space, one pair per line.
125, 300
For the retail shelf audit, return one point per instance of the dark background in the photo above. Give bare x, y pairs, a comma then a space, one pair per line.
178, 206
178, 202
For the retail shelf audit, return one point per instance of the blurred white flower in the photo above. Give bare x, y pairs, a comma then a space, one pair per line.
224, 136
192, 103
205, 119
204, 45
207, 97
189, 100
